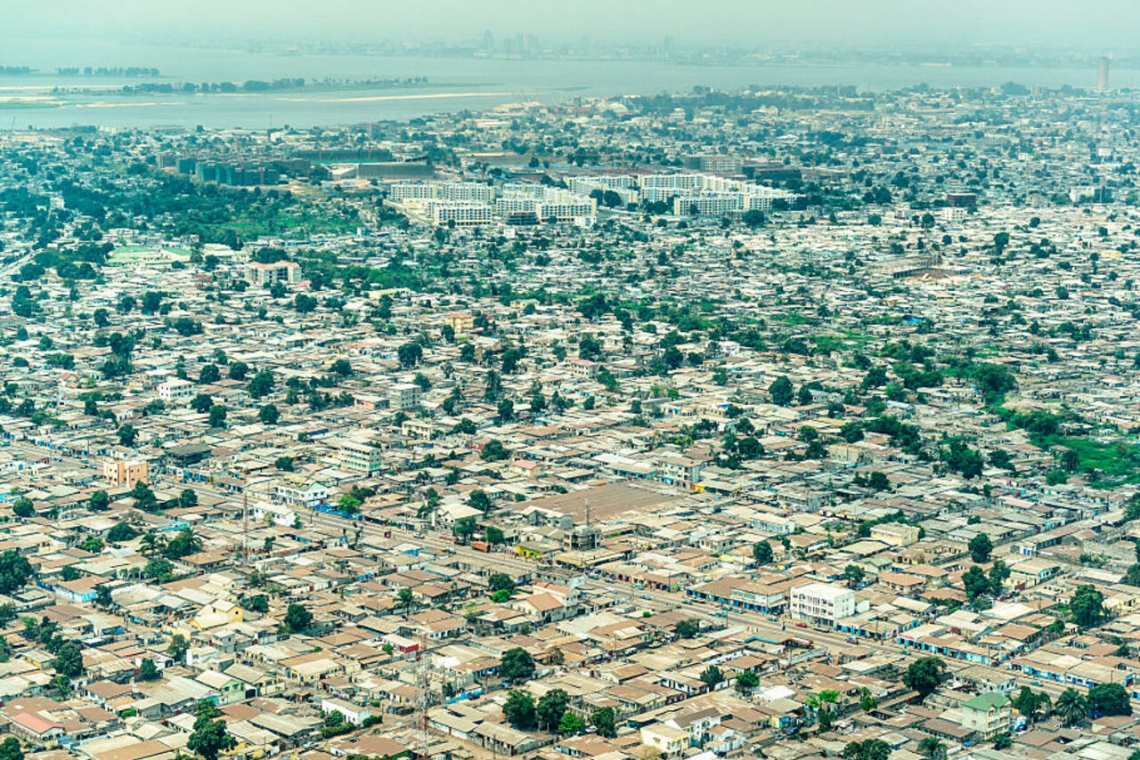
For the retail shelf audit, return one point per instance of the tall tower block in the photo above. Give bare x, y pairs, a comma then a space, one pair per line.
1102, 74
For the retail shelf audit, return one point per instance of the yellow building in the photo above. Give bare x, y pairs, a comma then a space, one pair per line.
124, 472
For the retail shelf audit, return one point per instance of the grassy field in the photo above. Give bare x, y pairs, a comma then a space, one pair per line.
1118, 462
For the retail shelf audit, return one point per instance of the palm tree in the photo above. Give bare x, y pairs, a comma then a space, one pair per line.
406, 599
932, 747
1044, 704
1072, 707
153, 543
192, 539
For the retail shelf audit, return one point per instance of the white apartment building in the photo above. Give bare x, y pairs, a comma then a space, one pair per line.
662, 187
624, 186
411, 191
295, 490
583, 208
821, 603
444, 213
404, 397
266, 274
469, 192
708, 204
176, 391
359, 457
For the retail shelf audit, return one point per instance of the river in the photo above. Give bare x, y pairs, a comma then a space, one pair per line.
453, 84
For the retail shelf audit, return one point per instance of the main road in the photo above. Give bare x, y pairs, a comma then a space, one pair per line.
656, 600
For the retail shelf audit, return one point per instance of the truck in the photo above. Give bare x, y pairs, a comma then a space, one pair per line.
481, 546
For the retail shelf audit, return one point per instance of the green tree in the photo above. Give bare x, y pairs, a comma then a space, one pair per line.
605, 722
15, 572
500, 582
99, 501
980, 548
148, 671
687, 629
746, 681
1087, 606
209, 374
261, 385
405, 600
781, 391
854, 575
551, 707
519, 709
62, 686
975, 582
933, 748
1072, 707
409, 355
297, 619
209, 738
159, 569
494, 451
349, 504
762, 553
1109, 699
924, 675
10, 749
571, 724
1029, 703
268, 414
184, 543
127, 435
1003, 741
218, 415
103, 599
516, 665
872, 749
478, 499
178, 648
464, 528
23, 507
188, 498
68, 660
711, 677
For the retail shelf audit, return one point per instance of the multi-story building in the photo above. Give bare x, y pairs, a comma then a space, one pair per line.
411, 191
176, 391
359, 457
299, 491
580, 208
821, 604
404, 397
662, 187
674, 469
988, 714
124, 472
288, 272
459, 213
583, 369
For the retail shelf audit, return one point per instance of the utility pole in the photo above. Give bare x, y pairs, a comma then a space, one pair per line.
423, 684
245, 518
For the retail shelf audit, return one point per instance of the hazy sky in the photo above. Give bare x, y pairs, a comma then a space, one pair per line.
1093, 26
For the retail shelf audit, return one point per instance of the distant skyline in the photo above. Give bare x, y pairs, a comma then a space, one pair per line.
853, 24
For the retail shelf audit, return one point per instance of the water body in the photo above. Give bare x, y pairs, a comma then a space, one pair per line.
454, 84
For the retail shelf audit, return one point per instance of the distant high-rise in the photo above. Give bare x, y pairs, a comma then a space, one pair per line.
1102, 75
